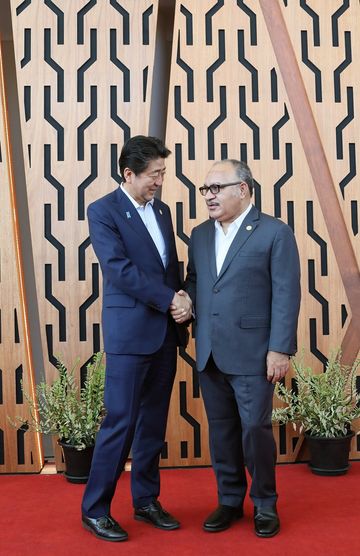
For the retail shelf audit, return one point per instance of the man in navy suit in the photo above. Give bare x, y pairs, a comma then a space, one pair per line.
132, 235
244, 280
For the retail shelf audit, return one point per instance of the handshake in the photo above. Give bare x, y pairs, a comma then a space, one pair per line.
181, 307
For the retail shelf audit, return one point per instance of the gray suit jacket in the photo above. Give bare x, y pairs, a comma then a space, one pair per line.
253, 305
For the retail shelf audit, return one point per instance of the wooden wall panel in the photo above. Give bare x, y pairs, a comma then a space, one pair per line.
245, 83
84, 71
20, 450
273, 83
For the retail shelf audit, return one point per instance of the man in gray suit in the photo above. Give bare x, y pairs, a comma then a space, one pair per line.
244, 280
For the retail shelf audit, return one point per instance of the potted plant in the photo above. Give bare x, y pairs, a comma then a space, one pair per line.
72, 412
323, 406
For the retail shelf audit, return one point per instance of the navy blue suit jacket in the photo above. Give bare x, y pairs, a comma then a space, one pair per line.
137, 289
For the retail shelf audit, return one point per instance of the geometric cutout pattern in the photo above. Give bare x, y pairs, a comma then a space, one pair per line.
275, 86
82, 93
20, 449
229, 100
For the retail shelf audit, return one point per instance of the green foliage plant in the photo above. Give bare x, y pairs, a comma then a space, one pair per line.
321, 404
65, 409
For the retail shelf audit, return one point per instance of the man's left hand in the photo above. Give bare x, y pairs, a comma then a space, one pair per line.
277, 365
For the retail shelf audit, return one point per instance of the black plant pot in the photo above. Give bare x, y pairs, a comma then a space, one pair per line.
329, 456
77, 462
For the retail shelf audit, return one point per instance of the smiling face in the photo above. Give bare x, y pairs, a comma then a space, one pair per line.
231, 201
143, 186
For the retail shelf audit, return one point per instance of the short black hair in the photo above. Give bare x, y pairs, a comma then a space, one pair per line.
138, 151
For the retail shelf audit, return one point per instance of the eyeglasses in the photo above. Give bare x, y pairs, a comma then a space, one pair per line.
214, 188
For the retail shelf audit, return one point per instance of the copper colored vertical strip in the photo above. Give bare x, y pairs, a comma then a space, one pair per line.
319, 169
19, 264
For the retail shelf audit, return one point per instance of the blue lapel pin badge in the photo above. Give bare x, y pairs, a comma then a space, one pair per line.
128, 214
249, 228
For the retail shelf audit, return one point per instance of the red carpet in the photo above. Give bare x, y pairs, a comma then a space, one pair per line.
40, 516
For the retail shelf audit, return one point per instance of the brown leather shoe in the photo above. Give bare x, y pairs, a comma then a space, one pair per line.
222, 518
105, 528
157, 516
266, 521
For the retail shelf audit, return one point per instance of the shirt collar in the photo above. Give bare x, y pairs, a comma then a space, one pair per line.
135, 203
238, 221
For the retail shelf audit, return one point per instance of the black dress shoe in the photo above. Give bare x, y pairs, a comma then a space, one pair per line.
266, 521
222, 518
105, 528
157, 516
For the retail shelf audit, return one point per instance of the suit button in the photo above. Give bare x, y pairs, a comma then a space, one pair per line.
215, 290
215, 314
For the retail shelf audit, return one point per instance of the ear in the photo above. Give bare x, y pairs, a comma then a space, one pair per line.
244, 188
128, 175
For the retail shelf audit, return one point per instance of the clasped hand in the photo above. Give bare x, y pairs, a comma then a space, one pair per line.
181, 307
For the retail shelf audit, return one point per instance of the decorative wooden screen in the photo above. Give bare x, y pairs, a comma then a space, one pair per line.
275, 84
20, 449
84, 72
271, 82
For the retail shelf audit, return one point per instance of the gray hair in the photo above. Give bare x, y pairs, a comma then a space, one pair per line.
243, 172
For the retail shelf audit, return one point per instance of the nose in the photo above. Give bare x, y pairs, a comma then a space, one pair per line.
159, 180
209, 195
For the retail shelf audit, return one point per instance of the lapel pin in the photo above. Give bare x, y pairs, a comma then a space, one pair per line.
160, 211
249, 228
128, 214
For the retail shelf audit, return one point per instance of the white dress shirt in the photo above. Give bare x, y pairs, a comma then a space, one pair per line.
223, 241
146, 213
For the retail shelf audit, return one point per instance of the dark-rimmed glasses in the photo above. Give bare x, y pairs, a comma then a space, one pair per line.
214, 188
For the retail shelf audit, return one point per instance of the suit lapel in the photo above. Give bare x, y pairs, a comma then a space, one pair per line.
211, 250
163, 222
246, 230
129, 213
